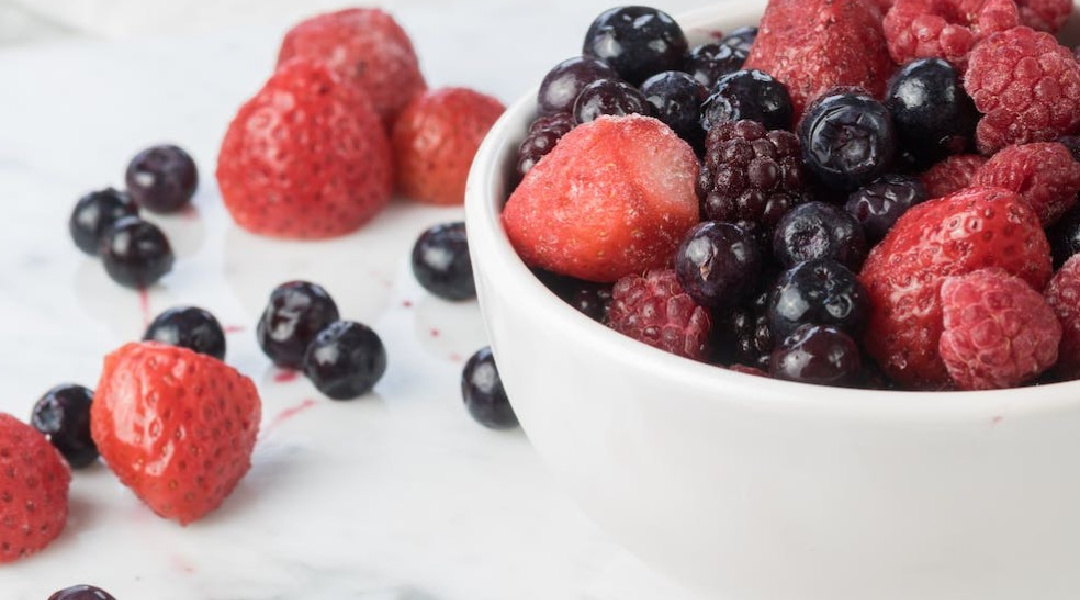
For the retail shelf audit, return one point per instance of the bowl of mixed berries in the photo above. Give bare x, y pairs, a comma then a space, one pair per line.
785, 294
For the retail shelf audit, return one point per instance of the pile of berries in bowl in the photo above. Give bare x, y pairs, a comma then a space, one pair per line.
879, 198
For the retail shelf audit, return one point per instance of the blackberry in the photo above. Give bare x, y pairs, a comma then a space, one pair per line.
676, 100
1064, 236
440, 262
741, 39
345, 360
754, 174
63, 416
95, 213
136, 253
933, 115
817, 354
879, 205
592, 300
608, 97
543, 134
707, 63
821, 292
748, 95
483, 392
565, 81
741, 336
82, 592
296, 313
718, 264
847, 138
188, 327
637, 41
162, 179
819, 230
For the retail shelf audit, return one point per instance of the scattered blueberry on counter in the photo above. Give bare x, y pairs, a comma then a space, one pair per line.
63, 416
296, 312
483, 392
82, 592
441, 264
189, 327
136, 253
95, 213
162, 179
345, 360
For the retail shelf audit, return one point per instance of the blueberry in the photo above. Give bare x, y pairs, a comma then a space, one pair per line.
878, 206
741, 39
345, 360
718, 264
748, 95
1064, 236
296, 313
637, 41
440, 262
847, 139
565, 81
63, 416
821, 292
609, 97
483, 392
136, 253
95, 213
82, 592
817, 354
188, 327
819, 230
707, 63
162, 179
676, 100
934, 116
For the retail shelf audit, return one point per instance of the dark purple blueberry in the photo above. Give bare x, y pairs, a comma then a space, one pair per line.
483, 392
543, 134
707, 63
565, 81
296, 313
718, 264
63, 416
95, 213
345, 360
748, 95
82, 592
188, 327
933, 115
847, 140
592, 300
440, 262
817, 354
162, 179
1064, 236
741, 39
609, 97
637, 41
879, 205
136, 253
819, 230
676, 100
821, 292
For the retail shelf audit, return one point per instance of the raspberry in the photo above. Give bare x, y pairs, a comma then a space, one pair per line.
1045, 175
753, 174
947, 29
1026, 85
1044, 15
999, 333
1063, 295
951, 175
653, 309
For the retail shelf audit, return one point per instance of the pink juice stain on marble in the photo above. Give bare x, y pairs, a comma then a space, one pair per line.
144, 306
231, 329
407, 303
435, 332
287, 414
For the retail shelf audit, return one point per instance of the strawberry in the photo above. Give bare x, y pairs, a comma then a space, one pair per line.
435, 139
614, 198
177, 427
364, 47
305, 158
972, 229
33, 490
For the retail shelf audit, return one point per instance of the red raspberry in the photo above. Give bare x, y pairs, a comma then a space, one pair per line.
655, 310
756, 372
1026, 85
1044, 15
999, 333
1045, 175
1063, 295
947, 29
951, 175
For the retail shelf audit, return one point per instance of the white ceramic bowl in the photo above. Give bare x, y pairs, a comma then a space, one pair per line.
754, 489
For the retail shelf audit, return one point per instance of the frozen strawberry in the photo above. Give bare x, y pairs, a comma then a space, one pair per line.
613, 198
814, 45
33, 490
1044, 15
435, 139
946, 29
998, 332
1063, 295
654, 309
305, 158
1044, 174
951, 175
175, 426
973, 229
364, 47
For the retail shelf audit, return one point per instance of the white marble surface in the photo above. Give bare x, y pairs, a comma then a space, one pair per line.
397, 496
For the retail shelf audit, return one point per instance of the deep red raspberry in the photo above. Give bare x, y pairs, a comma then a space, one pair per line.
756, 372
998, 332
946, 29
1063, 295
1044, 174
653, 309
813, 45
951, 175
1026, 85
1044, 15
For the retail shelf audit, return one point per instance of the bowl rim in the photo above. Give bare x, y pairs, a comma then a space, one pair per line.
492, 250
